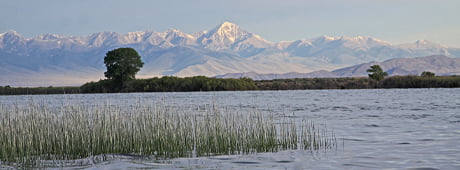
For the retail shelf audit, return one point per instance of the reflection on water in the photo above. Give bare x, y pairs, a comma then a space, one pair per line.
391, 128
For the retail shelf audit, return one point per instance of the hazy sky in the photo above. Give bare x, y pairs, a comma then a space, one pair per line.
396, 21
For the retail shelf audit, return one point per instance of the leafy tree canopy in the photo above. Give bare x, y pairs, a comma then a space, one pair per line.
377, 73
427, 74
122, 65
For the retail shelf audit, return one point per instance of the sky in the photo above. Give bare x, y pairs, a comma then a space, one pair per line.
395, 21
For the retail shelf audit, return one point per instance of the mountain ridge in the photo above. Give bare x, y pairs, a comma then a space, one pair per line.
224, 49
438, 64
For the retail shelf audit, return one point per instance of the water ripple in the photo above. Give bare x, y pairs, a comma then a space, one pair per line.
245, 162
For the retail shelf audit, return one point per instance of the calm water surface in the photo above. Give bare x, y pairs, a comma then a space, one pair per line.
376, 129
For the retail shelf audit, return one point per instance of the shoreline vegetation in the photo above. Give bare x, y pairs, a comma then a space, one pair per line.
38, 131
201, 83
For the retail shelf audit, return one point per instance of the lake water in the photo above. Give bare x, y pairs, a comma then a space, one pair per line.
376, 129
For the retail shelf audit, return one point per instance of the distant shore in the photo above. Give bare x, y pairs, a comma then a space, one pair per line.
200, 83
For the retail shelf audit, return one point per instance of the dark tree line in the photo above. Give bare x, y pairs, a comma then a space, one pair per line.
360, 83
171, 84
7, 90
315, 83
421, 82
201, 83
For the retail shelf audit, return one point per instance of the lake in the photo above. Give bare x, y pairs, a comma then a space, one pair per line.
375, 129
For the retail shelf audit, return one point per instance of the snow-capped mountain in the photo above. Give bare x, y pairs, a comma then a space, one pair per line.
229, 36
55, 60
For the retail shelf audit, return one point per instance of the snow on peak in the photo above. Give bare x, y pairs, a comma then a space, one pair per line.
357, 38
322, 39
223, 36
354, 39
228, 24
228, 32
173, 30
49, 37
361, 38
11, 33
134, 37
137, 33
358, 42
174, 33
98, 39
347, 38
11, 37
422, 44
174, 36
325, 37
428, 44
231, 36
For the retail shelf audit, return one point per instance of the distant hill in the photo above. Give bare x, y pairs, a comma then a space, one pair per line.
58, 60
441, 65
271, 76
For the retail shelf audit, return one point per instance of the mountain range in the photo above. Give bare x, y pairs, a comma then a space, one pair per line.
51, 59
441, 65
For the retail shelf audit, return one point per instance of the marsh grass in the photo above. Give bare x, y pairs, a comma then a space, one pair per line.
38, 131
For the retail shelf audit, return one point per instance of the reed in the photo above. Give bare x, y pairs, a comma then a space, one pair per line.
38, 131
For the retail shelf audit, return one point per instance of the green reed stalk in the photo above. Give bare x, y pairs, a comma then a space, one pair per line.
37, 131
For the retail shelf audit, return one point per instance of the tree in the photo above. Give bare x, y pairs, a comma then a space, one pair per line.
427, 74
377, 73
122, 65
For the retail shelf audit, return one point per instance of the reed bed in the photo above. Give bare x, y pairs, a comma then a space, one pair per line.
39, 131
